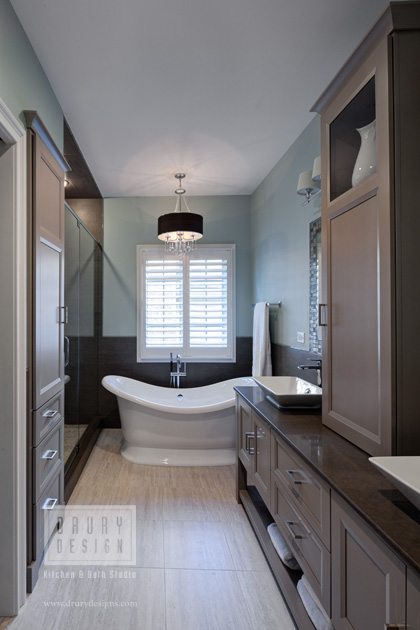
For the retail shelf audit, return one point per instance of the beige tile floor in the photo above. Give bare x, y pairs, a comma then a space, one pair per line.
198, 567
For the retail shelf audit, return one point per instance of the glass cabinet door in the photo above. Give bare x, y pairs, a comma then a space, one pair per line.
353, 142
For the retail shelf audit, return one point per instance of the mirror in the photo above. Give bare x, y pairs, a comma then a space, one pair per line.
315, 255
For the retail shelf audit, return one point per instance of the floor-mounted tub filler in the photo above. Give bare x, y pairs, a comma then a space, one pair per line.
177, 427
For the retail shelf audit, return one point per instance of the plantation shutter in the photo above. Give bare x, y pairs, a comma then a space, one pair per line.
186, 305
163, 303
208, 300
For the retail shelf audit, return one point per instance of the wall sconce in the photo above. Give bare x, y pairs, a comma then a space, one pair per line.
316, 170
306, 185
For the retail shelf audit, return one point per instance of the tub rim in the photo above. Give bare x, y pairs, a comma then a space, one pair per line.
168, 407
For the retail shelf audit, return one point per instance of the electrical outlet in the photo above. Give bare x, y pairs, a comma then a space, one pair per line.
300, 337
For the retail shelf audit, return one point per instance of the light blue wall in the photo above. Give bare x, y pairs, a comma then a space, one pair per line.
129, 222
280, 240
23, 83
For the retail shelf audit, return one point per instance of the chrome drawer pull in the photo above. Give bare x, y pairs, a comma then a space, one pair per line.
50, 454
49, 504
50, 413
290, 525
249, 435
321, 308
303, 477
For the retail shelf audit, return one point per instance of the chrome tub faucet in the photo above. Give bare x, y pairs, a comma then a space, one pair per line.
179, 372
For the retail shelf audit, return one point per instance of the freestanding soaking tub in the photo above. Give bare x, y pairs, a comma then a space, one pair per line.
177, 427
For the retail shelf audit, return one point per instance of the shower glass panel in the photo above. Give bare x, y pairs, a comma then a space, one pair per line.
82, 256
71, 332
87, 336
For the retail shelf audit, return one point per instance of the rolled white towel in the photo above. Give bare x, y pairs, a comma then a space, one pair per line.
282, 548
313, 606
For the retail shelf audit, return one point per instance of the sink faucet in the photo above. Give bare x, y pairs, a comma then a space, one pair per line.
180, 371
315, 365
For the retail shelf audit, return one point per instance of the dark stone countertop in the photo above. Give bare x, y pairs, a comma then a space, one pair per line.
348, 471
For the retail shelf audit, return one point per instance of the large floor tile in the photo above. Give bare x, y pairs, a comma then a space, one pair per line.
149, 547
196, 545
264, 602
97, 601
244, 547
205, 600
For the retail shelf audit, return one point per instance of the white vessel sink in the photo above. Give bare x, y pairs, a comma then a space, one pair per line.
290, 391
404, 472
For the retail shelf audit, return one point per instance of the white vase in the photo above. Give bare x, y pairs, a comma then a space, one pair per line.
366, 159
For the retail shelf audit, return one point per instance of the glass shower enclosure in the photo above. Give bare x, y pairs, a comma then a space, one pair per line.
81, 287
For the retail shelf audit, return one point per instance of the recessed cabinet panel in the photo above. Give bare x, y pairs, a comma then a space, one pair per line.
368, 580
262, 459
353, 142
48, 329
49, 195
354, 399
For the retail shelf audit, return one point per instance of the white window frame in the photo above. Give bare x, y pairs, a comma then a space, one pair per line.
194, 355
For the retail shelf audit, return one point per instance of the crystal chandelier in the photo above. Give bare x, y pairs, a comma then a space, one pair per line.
180, 229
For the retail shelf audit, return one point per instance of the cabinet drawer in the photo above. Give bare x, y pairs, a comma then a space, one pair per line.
47, 416
305, 488
44, 518
47, 458
312, 555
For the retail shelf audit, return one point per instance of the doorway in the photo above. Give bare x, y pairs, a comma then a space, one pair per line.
13, 362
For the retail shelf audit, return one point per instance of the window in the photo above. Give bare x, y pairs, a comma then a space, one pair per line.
186, 305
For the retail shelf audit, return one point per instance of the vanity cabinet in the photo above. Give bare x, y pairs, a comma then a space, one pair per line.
361, 582
371, 237
368, 579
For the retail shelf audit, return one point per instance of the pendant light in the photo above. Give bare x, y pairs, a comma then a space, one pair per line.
182, 228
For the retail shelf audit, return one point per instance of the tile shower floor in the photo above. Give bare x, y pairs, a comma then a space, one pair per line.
199, 565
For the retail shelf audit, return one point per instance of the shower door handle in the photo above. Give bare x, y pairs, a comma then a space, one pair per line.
66, 351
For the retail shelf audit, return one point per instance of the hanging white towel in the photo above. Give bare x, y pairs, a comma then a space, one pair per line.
313, 606
261, 347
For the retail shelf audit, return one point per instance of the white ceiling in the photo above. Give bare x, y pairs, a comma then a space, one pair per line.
216, 88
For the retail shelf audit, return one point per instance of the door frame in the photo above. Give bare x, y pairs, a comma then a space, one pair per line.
13, 134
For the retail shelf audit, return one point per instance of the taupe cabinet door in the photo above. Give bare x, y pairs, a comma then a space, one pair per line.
262, 470
48, 260
246, 435
368, 580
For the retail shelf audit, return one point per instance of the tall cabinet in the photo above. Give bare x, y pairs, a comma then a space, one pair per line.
46, 318
370, 139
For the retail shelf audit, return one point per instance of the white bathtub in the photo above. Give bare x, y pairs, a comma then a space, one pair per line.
177, 427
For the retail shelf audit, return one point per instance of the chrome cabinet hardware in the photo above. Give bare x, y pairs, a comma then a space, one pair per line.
49, 504
50, 454
50, 413
322, 309
300, 480
290, 525
63, 314
249, 435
